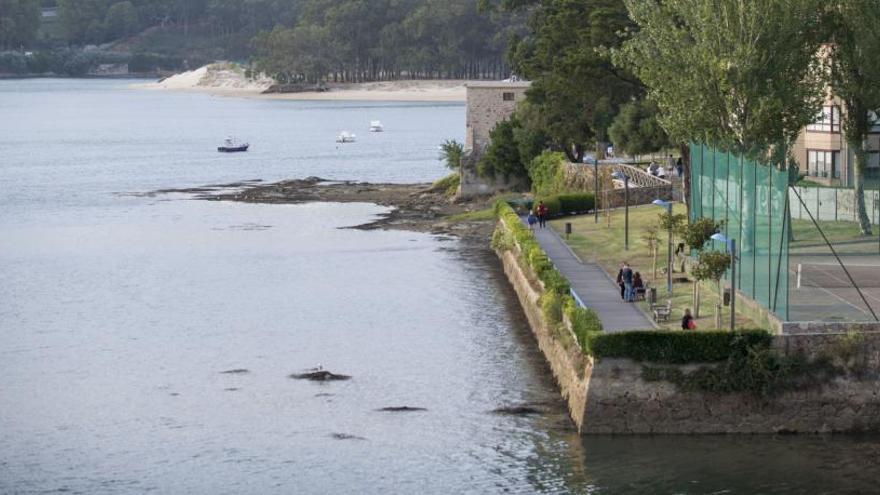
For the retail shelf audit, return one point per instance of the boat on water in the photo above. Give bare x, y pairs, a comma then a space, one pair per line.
376, 126
346, 137
232, 145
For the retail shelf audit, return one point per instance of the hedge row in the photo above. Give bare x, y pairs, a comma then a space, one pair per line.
556, 301
677, 347
565, 204
532, 254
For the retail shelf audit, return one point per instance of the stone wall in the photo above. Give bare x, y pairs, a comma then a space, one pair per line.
610, 396
570, 367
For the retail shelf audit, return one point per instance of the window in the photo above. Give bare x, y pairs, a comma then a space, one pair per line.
823, 163
874, 159
507, 96
874, 122
828, 120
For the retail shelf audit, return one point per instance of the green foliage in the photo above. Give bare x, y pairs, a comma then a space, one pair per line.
568, 204
742, 76
19, 22
635, 130
122, 20
585, 322
697, 233
551, 307
575, 90
854, 26
447, 185
547, 173
677, 347
502, 156
451, 152
677, 220
711, 265
751, 367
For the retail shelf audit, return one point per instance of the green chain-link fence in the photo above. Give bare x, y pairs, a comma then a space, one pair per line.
752, 200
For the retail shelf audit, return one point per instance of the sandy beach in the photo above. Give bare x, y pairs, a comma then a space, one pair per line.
229, 80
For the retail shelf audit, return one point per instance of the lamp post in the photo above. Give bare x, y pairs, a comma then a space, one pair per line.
596, 195
625, 179
668, 205
731, 246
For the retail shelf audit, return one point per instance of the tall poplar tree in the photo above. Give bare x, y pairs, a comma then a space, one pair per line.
854, 56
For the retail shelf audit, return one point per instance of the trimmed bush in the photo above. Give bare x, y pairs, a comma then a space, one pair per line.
584, 322
551, 307
568, 204
671, 347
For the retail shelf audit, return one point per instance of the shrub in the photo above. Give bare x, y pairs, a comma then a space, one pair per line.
551, 307
546, 172
677, 347
447, 185
568, 204
584, 322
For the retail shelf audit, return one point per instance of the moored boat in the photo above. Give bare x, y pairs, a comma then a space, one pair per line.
231, 145
376, 126
346, 137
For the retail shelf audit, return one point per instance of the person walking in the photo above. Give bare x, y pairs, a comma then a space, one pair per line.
681, 256
627, 283
670, 163
532, 220
687, 321
679, 168
542, 214
620, 282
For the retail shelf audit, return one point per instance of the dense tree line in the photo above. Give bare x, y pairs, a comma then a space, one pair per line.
100, 21
19, 22
368, 40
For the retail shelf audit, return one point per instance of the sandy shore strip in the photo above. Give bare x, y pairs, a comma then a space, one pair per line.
228, 80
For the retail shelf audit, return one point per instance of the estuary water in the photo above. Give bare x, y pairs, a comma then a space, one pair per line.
146, 342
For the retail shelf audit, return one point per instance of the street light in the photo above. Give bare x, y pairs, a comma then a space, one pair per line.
596, 189
625, 178
668, 205
731, 246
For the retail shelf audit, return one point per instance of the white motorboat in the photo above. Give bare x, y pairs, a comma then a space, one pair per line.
346, 137
376, 126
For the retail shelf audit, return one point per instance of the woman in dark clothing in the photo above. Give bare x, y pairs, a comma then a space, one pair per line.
687, 321
620, 282
638, 285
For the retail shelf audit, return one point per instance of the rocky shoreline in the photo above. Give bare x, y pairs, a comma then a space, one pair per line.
414, 207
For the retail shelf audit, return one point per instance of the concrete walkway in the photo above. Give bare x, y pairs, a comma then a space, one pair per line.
592, 286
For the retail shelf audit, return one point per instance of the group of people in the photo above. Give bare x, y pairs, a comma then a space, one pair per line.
672, 164
538, 216
630, 282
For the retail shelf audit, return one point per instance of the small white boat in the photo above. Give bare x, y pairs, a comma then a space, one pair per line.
376, 126
346, 137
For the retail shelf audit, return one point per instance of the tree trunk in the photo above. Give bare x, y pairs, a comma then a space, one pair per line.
859, 186
696, 300
654, 244
685, 151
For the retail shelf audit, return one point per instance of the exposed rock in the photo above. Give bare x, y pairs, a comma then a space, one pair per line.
237, 371
521, 410
319, 376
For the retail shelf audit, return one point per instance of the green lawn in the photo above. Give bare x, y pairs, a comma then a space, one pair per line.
605, 246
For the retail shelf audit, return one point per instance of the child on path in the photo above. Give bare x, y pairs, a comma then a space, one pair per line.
532, 220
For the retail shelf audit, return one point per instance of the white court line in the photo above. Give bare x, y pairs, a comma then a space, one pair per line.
866, 293
844, 301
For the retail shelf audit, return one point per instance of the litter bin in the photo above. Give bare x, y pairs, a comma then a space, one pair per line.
567, 229
652, 295
727, 297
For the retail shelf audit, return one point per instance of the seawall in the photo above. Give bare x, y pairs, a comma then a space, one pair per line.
622, 396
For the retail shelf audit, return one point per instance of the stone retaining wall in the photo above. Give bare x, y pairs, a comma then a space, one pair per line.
610, 396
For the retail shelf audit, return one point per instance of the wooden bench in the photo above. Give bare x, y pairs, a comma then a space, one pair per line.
661, 312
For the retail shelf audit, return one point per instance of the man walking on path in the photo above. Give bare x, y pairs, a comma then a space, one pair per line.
627, 283
542, 214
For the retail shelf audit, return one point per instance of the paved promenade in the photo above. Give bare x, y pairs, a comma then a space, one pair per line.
592, 285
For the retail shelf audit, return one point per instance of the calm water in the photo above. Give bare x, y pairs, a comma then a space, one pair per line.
119, 312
